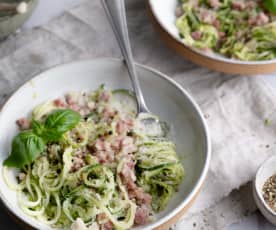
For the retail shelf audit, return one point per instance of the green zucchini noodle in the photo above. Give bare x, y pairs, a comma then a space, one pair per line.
119, 181
82, 129
160, 170
10, 184
40, 112
106, 171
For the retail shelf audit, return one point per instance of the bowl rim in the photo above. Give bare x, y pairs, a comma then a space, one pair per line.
258, 190
215, 57
29, 2
205, 129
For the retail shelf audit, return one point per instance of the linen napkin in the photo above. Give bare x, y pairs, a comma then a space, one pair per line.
240, 110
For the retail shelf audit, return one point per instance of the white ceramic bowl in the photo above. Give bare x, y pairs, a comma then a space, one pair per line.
164, 97
163, 13
265, 171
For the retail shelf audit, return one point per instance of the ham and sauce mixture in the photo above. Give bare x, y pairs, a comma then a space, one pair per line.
109, 171
107, 148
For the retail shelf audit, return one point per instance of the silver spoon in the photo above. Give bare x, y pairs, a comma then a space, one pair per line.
116, 13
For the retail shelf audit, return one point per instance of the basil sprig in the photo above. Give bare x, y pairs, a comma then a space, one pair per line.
28, 145
56, 124
270, 5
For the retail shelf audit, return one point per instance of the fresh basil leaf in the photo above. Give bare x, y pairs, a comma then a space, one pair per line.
37, 127
26, 147
59, 122
270, 5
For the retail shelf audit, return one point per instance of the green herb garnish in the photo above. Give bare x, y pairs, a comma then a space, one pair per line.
28, 145
59, 123
270, 5
267, 122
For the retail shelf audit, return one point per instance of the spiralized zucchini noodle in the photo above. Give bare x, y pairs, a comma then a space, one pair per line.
238, 29
105, 173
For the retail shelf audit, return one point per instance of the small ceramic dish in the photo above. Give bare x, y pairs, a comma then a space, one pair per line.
164, 97
265, 171
10, 23
163, 18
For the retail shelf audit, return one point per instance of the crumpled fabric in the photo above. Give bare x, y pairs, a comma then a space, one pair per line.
239, 110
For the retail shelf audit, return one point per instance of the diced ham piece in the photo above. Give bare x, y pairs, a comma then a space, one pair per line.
142, 215
124, 125
23, 123
21, 176
238, 5
250, 4
104, 157
252, 21
128, 172
216, 23
120, 127
84, 111
142, 198
116, 143
262, 19
128, 177
179, 12
195, 3
207, 16
59, 103
70, 99
124, 145
103, 145
131, 186
99, 144
108, 226
107, 146
108, 113
101, 218
104, 96
221, 34
259, 20
104, 152
196, 35
239, 34
74, 107
91, 105
214, 4
139, 194
76, 102
78, 163
127, 145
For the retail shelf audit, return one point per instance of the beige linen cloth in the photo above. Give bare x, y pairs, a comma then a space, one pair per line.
235, 107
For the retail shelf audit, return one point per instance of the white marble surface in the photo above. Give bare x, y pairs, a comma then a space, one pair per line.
51, 8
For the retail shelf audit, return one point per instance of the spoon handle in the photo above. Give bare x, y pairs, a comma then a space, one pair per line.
116, 14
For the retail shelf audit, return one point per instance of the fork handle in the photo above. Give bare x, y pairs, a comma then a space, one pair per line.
116, 14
